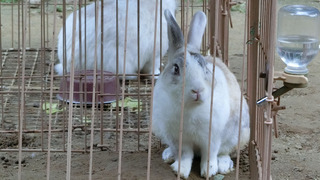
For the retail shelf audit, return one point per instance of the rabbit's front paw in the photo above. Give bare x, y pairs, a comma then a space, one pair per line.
168, 155
213, 168
225, 164
185, 168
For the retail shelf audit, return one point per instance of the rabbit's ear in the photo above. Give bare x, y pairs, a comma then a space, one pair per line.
197, 27
176, 40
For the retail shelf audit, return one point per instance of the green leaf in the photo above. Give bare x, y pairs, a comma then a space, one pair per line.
86, 119
128, 103
9, 1
54, 108
59, 9
218, 177
241, 7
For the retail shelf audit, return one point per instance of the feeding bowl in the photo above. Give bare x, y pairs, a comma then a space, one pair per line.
106, 87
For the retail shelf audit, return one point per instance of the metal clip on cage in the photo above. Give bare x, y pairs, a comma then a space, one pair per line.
290, 81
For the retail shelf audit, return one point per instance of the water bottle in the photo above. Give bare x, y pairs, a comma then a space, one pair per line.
298, 37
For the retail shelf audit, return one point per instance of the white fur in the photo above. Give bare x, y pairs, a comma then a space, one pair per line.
225, 164
147, 14
168, 156
196, 114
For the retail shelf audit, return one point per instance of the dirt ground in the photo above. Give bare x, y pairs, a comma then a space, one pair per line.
295, 153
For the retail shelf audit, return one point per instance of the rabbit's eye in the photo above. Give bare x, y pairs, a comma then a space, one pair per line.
176, 69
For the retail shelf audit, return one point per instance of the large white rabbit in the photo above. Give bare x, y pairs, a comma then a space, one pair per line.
147, 15
197, 98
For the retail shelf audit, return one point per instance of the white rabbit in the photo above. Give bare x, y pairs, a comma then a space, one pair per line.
197, 98
147, 15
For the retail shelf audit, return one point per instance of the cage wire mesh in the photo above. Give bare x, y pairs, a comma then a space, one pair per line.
261, 37
34, 120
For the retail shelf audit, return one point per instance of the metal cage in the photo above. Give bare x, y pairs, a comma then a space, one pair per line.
38, 122
261, 42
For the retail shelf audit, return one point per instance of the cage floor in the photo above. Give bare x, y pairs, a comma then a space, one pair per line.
34, 114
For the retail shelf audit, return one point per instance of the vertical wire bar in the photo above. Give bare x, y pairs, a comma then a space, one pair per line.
80, 58
51, 90
207, 11
1, 69
161, 58
242, 91
222, 25
101, 76
152, 87
265, 23
71, 90
265, 125
47, 29
262, 60
261, 86
268, 124
94, 86
42, 57
252, 28
64, 67
208, 45
20, 95
185, 27
82, 115
23, 43
225, 34
123, 90
182, 15
192, 7
117, 73
22, 110
212, 26
202, 49
12, 25
258, 83
139, 81
215, 39
85, 68
29, 20
204, 38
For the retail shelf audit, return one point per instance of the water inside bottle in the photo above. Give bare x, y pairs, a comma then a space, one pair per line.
297, 51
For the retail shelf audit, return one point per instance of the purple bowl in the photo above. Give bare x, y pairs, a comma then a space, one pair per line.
106, 89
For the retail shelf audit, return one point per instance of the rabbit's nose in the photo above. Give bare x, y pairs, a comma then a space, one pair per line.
196, 93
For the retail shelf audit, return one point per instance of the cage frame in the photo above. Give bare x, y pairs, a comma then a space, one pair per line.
259, 155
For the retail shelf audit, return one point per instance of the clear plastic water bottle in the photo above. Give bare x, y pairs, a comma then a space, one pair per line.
298, 37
